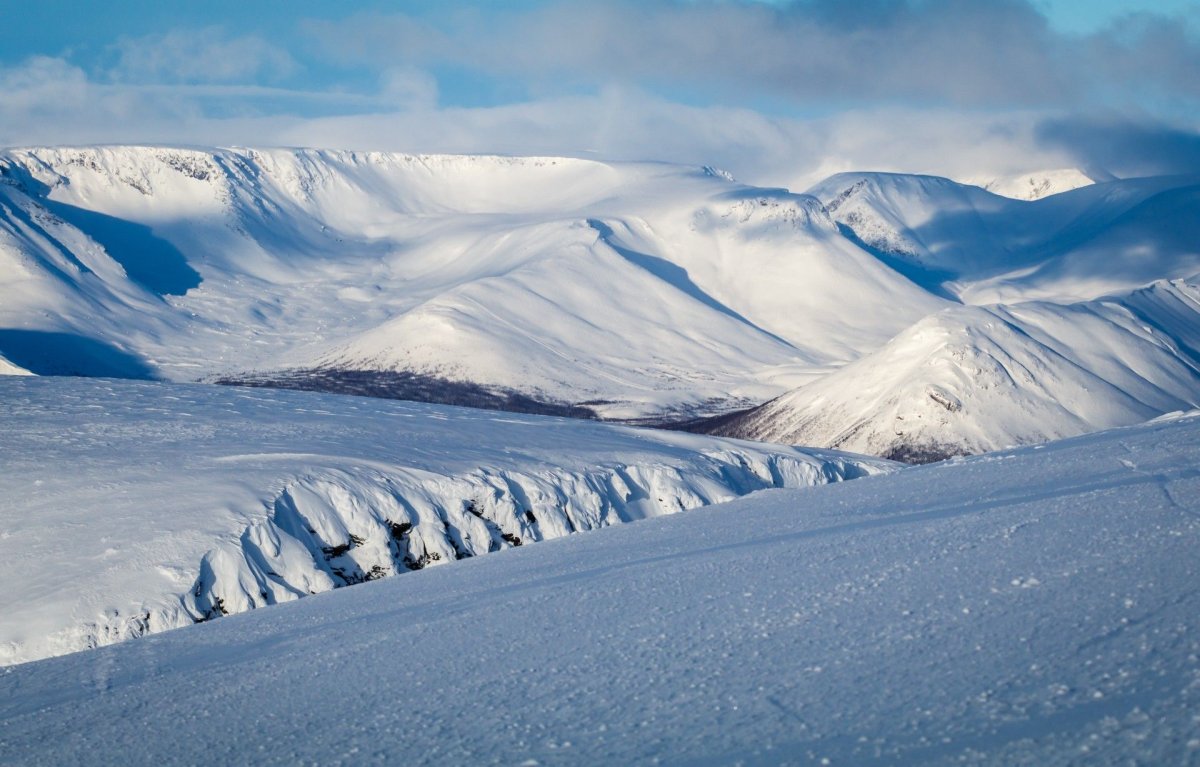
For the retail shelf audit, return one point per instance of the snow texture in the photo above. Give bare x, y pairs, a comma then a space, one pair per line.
1036, 185
637, 288
1033, 607
972, 379
643, 292
128, 508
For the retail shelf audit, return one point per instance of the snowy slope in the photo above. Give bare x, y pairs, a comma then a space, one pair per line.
1078, 312
9, 369
1036, 607
980, 248
638, 287
972, 379
128, 508
639, 291
1036, 185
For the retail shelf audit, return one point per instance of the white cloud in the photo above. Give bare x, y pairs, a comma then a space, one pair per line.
48, 101
42, 82
205, 55
408, 88
627, 124
959, 53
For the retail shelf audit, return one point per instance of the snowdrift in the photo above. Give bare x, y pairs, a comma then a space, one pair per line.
129, 508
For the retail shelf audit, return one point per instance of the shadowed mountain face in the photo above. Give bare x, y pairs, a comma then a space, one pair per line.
147, 259
64, 354
638, 292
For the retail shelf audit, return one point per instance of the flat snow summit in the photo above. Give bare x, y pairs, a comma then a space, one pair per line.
1034, 607
128, 508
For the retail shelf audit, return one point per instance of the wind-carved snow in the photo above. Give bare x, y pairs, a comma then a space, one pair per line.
130, 508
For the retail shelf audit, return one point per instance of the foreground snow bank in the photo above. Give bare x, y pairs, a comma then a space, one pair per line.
129, 508
1031, 607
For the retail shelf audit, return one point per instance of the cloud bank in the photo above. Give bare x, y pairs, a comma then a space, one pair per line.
778, 94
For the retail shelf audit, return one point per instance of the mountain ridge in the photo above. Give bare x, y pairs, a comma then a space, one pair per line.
645, 292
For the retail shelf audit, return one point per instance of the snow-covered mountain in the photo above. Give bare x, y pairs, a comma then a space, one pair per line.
622, 290
1036, 185
133, 507
978, 248
971, 379
1062, 324
1034, 607
637, 288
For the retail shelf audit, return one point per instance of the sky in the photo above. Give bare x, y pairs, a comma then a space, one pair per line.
780, 92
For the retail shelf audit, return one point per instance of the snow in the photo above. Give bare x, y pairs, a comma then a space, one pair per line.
9, 369
640, 287
643, 292
1030, 607
972, 379
1035, 185
129, 508
1073, 313
976, 247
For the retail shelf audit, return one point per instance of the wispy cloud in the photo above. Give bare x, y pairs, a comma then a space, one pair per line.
778, 93
206, 55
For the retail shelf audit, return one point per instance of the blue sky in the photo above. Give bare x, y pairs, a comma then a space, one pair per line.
1084, 16
677, 79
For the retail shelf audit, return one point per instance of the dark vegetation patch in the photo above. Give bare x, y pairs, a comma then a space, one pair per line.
416, 387
723, 425
919, 454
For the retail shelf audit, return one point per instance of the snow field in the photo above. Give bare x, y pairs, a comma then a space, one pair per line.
129, 508
1030, 607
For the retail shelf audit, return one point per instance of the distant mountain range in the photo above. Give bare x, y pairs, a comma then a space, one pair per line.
901, 315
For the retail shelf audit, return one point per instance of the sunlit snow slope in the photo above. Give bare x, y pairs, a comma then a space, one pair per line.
620, 290
133, 507
1078, 312
637, 288
1034, 607
977, 378
1036, 185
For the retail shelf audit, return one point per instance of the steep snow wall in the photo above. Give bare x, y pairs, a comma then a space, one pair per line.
337, 529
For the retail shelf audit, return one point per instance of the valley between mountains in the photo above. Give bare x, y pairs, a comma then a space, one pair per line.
160, 308
910, 317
